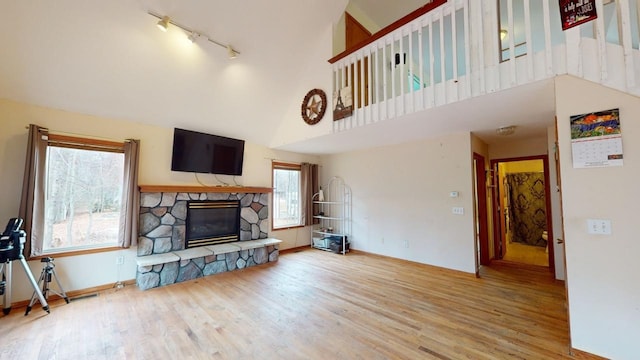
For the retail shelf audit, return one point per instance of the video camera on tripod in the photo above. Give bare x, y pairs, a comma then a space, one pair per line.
12, 241
11, 246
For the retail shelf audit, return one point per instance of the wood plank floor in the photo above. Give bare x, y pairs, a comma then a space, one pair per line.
309, 305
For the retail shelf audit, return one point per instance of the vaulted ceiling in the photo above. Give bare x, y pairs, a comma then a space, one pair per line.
107, 58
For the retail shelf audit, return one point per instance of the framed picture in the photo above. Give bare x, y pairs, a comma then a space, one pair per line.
576, 12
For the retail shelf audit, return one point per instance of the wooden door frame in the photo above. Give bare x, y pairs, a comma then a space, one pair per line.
481, 208
547, 194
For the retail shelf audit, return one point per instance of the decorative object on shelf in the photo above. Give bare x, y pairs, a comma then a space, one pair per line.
334, 216
314, 106
344, 103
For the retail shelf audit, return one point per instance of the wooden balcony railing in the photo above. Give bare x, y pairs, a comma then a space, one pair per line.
458, 49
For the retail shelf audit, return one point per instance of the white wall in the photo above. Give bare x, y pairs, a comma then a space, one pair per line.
518, 148
401, 203
291, 127
603, 271
87, 271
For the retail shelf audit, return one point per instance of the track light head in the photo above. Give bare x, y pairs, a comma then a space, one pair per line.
232, 53
193, 37
163, 24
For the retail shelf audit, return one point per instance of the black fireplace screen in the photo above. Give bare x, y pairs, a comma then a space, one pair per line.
212, 222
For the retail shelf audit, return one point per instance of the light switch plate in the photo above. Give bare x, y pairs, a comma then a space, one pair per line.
599, 226
457, 210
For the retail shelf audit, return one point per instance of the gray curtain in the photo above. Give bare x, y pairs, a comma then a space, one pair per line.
128, 232
32, 199
308, 187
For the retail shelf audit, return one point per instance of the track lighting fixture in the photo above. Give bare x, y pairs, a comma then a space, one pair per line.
163, 24
232, 53
193, 36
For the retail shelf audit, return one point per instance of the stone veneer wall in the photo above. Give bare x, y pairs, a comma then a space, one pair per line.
166, 269
163, 216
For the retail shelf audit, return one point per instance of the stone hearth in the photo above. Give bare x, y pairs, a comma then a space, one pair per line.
169, 268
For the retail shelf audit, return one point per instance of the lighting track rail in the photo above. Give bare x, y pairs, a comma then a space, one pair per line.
163, 24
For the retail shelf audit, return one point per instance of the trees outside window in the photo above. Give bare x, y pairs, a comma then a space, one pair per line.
83, 195
286, 196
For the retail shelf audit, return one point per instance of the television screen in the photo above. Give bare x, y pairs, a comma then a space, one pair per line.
205, 153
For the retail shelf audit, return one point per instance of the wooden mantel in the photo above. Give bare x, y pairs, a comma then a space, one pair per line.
203, 189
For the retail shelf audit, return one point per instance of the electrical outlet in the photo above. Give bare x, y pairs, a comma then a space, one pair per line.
120, 260
457, 210
406, 243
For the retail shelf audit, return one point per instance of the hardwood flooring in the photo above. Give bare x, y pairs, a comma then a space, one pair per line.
310, 304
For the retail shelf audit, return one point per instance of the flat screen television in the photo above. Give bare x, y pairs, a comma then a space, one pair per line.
205, 153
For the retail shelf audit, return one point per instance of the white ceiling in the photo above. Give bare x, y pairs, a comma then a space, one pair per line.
106, 58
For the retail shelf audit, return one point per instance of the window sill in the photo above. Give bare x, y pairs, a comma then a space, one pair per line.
288, 227
76, 252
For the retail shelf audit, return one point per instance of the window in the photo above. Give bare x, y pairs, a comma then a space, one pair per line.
286, 195
83, 193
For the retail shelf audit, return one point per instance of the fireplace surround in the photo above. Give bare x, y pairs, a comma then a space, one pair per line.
163, 254
163, 215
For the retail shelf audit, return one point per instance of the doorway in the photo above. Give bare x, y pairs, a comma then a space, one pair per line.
483, 254
522, 211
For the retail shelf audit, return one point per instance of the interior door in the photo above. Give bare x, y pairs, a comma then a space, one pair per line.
499, 245
482, 228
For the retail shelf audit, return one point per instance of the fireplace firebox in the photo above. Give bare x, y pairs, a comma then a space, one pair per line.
211, 222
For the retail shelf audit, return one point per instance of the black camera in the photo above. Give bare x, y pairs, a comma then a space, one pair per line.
12, 241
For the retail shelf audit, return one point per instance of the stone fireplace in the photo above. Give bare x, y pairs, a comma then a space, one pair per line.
171, 249
212, 222
163, 217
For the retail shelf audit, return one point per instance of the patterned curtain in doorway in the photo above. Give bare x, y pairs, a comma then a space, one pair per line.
527, 207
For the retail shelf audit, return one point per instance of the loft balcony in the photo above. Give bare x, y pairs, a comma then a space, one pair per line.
465, 49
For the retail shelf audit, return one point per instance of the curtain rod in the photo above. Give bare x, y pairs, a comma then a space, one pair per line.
80, 135
289, 161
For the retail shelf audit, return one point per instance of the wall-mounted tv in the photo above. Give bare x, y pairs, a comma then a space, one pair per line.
205, 153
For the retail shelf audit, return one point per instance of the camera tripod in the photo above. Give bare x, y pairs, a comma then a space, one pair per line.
6, 270
11, 245
48, 272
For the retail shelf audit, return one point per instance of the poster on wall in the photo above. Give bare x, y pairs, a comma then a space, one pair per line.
596, 139
576, 12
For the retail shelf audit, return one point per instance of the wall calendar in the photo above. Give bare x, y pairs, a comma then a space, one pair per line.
596, 139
